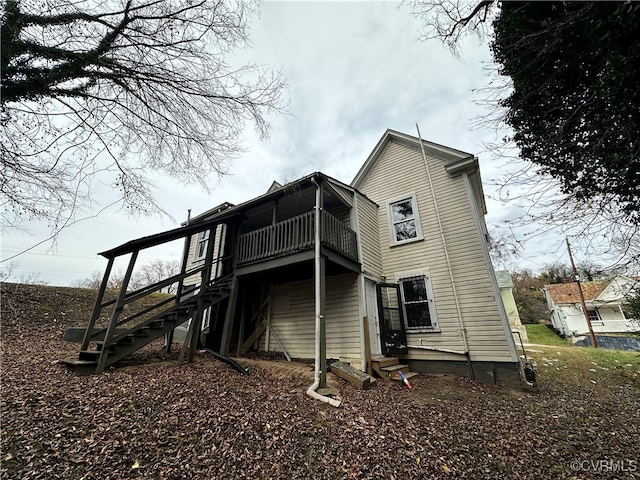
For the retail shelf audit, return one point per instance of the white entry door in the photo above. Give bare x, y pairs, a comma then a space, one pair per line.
372, 313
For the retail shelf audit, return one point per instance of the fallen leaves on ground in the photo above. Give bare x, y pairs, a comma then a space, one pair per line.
205, 420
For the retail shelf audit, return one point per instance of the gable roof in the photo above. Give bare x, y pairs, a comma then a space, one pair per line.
569, 293
618, 288
455, 161
451, 155
274, 186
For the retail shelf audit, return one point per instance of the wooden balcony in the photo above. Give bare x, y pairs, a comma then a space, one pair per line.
295, 235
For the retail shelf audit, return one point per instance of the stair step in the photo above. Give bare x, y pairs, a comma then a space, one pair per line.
89, 355
142, 332
128, 340
77, 362
81, 367
100, 345
156, 324
395, 368
385, 361
407, 375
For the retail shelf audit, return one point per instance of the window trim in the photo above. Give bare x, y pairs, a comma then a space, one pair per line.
594, 315
201, 239
416, 217
435, 325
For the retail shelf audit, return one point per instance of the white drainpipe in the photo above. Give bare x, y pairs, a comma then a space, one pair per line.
311, 391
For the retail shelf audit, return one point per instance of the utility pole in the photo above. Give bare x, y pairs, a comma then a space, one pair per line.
584, 305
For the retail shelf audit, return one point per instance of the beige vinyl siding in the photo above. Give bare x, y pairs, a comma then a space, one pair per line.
293, 318
478, 305
369, 236
191, 263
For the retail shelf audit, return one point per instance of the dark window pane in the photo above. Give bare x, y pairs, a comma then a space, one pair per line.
414, 290
418, 315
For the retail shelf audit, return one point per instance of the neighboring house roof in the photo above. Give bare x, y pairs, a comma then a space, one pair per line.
504, 279
613, 290
274, 186
569, 293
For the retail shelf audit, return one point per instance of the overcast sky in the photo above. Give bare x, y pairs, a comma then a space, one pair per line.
353, 70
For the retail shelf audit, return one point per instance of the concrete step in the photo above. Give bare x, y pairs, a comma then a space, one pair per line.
395, 368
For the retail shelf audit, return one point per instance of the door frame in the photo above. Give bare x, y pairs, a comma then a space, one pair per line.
371, 311
393, 341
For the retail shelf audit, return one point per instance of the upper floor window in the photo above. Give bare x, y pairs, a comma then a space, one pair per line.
201, 245
404, 220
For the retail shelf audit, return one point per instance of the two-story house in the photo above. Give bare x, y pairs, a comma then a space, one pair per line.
395, 263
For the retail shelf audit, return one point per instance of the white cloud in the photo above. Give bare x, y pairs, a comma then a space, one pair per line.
353, 70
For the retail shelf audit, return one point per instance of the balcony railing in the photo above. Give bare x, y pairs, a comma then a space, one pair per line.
294, 235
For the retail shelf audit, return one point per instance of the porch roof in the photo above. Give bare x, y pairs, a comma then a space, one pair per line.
221, 213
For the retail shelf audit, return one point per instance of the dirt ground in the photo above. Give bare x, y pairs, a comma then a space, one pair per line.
205, 420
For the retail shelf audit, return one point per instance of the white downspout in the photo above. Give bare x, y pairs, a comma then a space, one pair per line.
362, 309
311, 391
446, 256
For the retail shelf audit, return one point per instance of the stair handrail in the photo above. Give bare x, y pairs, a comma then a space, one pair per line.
91, 332
211, 286
153, 287
100, 331
191, 301
125, 297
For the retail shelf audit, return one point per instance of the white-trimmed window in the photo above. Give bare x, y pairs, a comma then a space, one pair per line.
404, 220
201, 245
594, 316
417, 303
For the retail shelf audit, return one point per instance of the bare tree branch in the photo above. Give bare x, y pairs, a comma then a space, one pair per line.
122, 90
449, 20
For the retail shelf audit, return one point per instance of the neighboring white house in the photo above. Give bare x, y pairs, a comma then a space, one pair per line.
505, 284
604, 300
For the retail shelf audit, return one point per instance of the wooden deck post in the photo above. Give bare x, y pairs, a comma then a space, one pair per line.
196, 321
97, 307
323, 323
367, 346
228, 321
119, 306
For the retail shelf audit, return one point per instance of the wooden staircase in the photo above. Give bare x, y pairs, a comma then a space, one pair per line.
388, 367
125, 342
